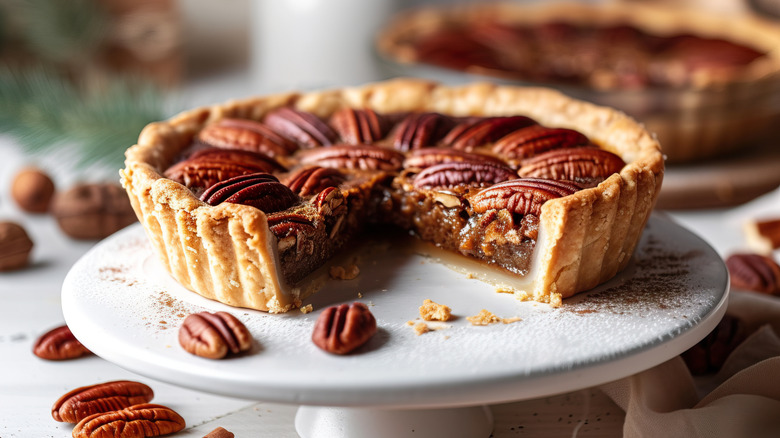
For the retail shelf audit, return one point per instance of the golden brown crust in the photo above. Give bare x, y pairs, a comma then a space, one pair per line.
227, 252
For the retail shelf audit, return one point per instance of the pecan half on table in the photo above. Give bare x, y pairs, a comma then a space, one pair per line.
95, 399
59, 344
138, 421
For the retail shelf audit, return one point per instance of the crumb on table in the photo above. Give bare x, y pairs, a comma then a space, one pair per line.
349, 272
307, 308
421, 328
485, 317
431, 311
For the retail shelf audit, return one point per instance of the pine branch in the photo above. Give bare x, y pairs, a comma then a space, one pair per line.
43, 110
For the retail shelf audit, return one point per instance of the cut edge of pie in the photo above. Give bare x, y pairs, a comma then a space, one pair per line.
227, 252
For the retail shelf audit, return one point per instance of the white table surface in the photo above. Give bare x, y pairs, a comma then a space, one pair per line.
31, 305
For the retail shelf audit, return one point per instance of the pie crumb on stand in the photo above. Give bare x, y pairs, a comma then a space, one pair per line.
431, 311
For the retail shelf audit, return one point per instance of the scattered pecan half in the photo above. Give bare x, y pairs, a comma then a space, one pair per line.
341, 329
207, 167
359, 126
214, 335
246, 135
535, 139
478, 131
418, 130
260, 190
59, 344
138, 421
311, 180
422, 158
572, 164
306, 129
95, 399
448, 175
521, 196
754, 272
709, 354
365, 157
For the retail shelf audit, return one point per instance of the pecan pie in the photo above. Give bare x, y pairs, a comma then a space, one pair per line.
705, 84
243, 201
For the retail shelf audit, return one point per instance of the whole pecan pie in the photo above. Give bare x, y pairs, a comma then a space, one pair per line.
243, 201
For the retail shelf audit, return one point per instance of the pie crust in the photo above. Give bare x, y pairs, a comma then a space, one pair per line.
719, 112
227, 253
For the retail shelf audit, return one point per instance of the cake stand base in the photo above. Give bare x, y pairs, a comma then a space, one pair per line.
324, 422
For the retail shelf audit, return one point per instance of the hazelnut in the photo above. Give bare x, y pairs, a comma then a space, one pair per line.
93, 211
15, 246
32, 189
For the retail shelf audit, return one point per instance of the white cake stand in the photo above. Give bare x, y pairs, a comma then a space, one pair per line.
119, 302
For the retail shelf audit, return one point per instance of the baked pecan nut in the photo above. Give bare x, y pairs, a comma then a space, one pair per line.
59, 344
448, 175
359, 126
290, 230
341, 329
260, 190
95, 399
474, 132
521, 196
709, 354
572, 164
305, 129
207, 167
419, 130
330, 202
754, 272
246, 135
422, 158
535, 139
214, 335
311, 180
138, 421
365, 157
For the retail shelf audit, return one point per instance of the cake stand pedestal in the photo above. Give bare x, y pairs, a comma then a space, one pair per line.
119, 302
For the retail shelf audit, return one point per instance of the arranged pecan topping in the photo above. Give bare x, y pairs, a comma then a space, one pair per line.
341, 329
365, 157
709, 355
359, 126
754, 272
95, 399
418, 130
260, 190
314, 179
59, 344
304, 128
448, 175
521, 196
214, 335
246, 135
572, 164
478, 131
535, 139
207, 167
422, 158
138, 421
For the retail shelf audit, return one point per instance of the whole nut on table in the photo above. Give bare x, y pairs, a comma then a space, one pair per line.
93, 211
138, 421
82, 402
214, 335
32, 189
15, 246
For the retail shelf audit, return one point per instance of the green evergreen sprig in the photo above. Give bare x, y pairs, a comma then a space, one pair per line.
44, 110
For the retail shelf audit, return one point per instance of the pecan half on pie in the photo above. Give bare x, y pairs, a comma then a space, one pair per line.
243, 201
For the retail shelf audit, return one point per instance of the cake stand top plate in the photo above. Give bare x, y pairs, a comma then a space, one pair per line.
123, 306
